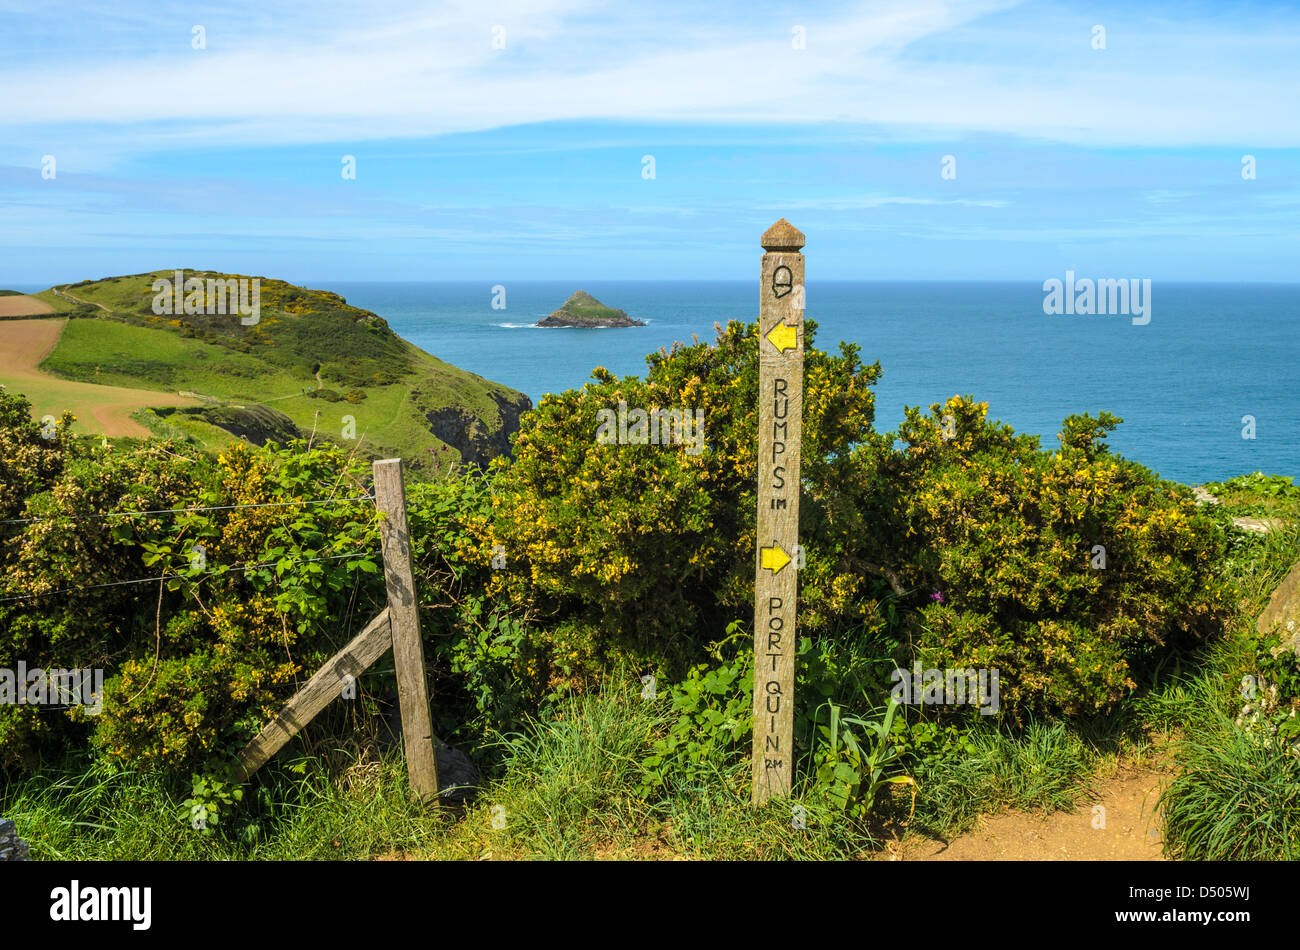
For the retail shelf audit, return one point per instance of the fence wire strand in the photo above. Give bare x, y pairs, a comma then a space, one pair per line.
149, 580
185, 511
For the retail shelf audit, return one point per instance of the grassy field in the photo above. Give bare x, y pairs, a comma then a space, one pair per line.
20, 305
330, 368
100, 409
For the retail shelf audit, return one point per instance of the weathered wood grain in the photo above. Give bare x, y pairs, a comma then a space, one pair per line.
780, 416
403, 613
324, 687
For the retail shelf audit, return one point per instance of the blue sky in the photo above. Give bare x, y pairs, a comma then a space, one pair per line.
526, 162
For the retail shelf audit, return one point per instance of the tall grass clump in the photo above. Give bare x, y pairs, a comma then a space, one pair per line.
1236, 794
1044, 767
1235, 798
349, 806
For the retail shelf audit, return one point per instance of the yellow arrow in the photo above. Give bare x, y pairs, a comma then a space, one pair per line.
773, 558
783, 337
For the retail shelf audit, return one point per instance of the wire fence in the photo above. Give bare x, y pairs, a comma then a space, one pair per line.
189, 575
185, 511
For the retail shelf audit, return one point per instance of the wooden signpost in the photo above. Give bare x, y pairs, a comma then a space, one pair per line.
780, 424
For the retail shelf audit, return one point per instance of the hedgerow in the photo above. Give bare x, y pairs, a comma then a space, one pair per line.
954, 542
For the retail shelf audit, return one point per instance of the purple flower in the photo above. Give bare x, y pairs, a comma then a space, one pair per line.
937, 596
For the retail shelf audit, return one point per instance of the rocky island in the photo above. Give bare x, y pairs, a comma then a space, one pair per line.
584, 310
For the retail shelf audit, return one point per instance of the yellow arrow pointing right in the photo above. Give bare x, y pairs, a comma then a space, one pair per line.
773, 559
783, 337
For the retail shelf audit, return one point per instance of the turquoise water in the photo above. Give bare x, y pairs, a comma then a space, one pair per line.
1211, 354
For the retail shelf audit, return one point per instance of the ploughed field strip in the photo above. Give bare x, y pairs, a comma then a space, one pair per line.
102, 410
20, 305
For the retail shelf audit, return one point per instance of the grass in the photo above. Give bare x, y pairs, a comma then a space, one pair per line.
1235, 794
1258, 495
88, 811
582, 304
565, 791
1047, 767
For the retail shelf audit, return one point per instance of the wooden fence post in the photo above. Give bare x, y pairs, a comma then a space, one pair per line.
780, 425
323, 688
403, 616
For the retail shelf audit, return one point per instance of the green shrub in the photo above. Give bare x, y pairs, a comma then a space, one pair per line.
712, 726
979, 768
651, 544
251, 596
1001, 545
1257, 483
954, 542
843, 758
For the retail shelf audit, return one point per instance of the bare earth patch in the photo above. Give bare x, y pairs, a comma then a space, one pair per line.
23, 306
1131, 831
103, 410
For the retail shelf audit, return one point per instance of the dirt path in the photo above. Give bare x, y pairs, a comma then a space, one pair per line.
103, 410
23, 306
1131, 829
67, 296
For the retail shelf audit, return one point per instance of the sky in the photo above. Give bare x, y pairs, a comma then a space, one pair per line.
926, 139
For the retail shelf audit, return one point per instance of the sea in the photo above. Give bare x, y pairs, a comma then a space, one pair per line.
1208, 388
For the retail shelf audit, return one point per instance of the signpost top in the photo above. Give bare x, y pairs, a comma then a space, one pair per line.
782, 236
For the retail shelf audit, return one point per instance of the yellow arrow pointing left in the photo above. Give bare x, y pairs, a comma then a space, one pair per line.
783, 337
773, 558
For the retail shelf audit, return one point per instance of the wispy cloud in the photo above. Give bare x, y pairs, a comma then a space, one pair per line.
353, 72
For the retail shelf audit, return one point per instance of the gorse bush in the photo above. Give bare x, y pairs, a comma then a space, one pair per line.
244, 600
265, 563
1073, 572
30, 461
652, 546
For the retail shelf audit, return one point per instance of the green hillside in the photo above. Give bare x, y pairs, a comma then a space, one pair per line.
312, 362
583, 304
